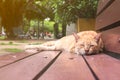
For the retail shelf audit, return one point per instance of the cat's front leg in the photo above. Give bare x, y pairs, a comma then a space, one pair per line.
32, 47
46, 48
40, 47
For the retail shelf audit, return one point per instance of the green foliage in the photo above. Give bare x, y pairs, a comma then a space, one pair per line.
71, 10
2, 44
16, 13
9, 43
48, 25
2, 37
22, 41
14, 50
36, 43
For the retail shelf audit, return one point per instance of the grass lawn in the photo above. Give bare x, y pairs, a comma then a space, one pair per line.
9, 43
2, 37
13, 50
16, 46
10, 47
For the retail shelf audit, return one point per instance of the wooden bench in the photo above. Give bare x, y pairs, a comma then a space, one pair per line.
57, 65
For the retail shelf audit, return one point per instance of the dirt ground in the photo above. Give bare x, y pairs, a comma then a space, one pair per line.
16, 44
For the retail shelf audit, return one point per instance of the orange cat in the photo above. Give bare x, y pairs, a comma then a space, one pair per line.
85, 42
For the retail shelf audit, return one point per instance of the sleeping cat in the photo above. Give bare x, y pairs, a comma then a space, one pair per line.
85, 42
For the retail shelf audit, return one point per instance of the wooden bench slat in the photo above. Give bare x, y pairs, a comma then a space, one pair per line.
109, 16
10, 58
111, 39
105, 67
27, 68
102, 4
68, 67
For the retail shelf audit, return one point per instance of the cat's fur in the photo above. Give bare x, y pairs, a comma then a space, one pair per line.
85, 42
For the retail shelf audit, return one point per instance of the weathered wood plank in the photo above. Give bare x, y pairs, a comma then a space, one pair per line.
109, 16
111, 40
10, 58
27, 68
106, 67
68, 67
101, 5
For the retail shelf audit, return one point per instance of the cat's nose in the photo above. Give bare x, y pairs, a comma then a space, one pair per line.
86, 51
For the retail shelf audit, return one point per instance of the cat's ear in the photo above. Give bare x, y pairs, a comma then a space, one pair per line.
76, 36
97, 37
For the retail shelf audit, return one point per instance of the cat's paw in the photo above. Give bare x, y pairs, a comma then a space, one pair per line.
27, 47
31, 49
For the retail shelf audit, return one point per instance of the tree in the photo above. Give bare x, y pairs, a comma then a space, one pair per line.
11, 12
70, 10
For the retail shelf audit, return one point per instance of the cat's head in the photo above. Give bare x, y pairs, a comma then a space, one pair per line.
87, 45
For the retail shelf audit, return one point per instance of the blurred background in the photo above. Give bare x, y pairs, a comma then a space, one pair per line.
45, 19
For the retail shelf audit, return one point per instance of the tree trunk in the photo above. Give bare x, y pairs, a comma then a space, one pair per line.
56, 31
10, 33
38, 32
63, 30
0, 26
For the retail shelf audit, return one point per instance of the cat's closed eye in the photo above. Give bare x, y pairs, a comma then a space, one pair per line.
92, 45
82, 45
